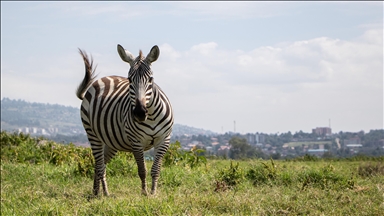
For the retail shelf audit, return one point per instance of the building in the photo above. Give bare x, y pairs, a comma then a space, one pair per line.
317, 152
260, 138
223, 151
354, 146
251, 138
354, 140
322, 131
255, 138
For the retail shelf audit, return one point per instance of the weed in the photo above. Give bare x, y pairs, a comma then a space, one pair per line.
325, 178
85, 164
193, 157
173, 155
306, 157
370, 170
122, 164
176, 156
171, 178
268, 173
41, 177
220, 186
262, 174
231, 176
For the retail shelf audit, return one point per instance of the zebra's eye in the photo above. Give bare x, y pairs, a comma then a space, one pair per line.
150, 79
129, 79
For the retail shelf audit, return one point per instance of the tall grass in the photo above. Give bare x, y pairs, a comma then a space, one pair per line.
40, 177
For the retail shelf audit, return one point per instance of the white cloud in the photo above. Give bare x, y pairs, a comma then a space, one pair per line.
236, 10
288, 86
205, 48
169, 53
319, 78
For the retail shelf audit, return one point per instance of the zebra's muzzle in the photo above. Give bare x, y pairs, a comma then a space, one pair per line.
140, 111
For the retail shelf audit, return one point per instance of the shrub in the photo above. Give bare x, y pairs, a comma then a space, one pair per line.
306, 157
370, 170
21, 148
173, 155
85, 163
325, 178
262, 174
121, 165
268, 173
176, 156
231, 176
193, 157
171, 178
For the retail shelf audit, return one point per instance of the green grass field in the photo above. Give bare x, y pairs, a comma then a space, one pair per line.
36, 180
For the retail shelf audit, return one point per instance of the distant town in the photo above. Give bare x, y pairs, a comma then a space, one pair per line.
62, 124
321, 142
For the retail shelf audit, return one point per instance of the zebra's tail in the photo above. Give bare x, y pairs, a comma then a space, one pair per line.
89, 77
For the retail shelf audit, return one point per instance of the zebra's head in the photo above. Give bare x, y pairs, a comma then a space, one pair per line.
141, 79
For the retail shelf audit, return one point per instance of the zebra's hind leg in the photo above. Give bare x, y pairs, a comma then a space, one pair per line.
100, 175
142, 170
109, 153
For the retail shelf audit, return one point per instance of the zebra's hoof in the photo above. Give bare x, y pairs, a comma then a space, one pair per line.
144, 192
90, 197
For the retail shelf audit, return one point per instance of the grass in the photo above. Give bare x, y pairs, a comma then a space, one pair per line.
46, 189
218, 187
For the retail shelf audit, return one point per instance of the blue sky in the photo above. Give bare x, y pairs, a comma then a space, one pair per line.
269, 66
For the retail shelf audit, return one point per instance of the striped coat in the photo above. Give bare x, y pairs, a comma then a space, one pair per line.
125, 114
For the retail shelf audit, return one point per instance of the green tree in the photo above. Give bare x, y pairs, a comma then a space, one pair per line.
239, 147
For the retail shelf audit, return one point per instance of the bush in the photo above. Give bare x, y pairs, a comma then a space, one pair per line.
21, 148
370, 170
306, 157
325, 178
121, 165
231, 176
193, 157
262, 174
268, 173
175, 156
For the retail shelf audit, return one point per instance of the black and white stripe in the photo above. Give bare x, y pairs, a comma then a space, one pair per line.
125, 114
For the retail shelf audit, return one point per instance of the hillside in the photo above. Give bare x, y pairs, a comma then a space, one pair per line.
53, 119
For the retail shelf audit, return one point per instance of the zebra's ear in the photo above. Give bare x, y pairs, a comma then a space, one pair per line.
125, 55
153, 54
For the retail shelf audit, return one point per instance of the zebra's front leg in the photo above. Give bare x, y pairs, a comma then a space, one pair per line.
142, 170
155, 170
155, 173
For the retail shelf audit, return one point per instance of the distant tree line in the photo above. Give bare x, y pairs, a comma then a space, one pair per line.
240, 149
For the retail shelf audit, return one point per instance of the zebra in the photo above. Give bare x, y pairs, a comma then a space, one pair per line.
125, 114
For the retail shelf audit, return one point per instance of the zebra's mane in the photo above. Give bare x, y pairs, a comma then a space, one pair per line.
139, 59
140, 55
138, 64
